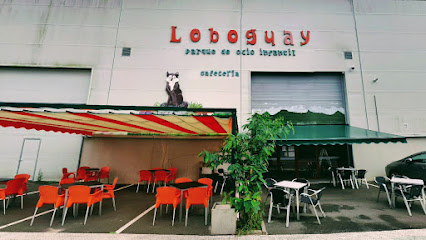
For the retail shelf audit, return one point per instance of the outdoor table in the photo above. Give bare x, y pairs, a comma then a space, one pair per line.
91, 184
353, 170
405, 181
295, 186
182, 187
92, 169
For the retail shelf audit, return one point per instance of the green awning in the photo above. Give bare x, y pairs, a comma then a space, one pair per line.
336, 134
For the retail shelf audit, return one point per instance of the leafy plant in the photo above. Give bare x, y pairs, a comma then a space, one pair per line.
39, 176
248, 154
195, 105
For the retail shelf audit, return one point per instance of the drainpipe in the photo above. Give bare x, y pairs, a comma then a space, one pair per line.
360, 64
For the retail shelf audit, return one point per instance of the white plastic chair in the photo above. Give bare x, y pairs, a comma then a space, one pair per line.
314, 200
281, 199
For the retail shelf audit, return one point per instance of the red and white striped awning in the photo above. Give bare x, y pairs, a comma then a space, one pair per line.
100, 120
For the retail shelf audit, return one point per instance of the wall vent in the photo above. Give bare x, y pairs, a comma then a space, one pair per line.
126, 52
348, 55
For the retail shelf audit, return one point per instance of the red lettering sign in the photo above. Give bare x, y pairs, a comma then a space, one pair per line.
271, 39
174, 35
232, 36
212, 36
195, 35
251, 34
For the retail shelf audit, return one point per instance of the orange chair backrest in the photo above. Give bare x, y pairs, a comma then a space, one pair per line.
78, 194
68, 175
197, 196
166, 195
64, 170
145, 175
207, 181
173, 170
23, 175
66, 181
104, 172
14, 186
161, 175
115, 182
48, 195
183, 180
81, 172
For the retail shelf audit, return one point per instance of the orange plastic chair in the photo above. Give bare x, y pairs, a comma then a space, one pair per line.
49, 195
81, 173
109, 192
26, 177
209, 183
167, 195
144, 175
160, 176
81, 194
104, 173
173, 172
197, 196
91, 176
13, 187
66, 181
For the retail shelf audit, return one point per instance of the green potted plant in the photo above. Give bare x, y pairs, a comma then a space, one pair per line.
248, 154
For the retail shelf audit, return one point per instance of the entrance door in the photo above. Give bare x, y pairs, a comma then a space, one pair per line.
29, 155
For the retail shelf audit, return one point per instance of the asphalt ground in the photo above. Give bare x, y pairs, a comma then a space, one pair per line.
346, 210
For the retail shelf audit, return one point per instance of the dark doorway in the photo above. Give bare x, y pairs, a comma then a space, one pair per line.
310, 162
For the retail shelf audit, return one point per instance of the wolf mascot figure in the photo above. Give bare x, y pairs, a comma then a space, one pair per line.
174, 92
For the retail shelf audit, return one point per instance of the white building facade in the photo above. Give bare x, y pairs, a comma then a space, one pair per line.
362, 58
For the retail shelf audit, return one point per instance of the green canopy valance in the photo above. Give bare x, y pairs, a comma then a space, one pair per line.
336, 134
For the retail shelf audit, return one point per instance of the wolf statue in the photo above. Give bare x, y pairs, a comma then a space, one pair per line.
174, 92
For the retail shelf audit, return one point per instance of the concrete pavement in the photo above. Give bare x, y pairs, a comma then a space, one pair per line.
412, 234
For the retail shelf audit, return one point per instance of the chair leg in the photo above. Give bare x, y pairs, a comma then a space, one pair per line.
65, 215
53, 216
215, 186
388, 196
378, 195
174, 214
147, 188
287, 218
423, 203
322, 212
155, 214
316, 214
4, 206
32, 220
341, 181
22, 201
270, 211
205, 216
137, 188
366, 183
87, 213
186, 218
100, 208
408, 207
113, 204
223, 185
352, 182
